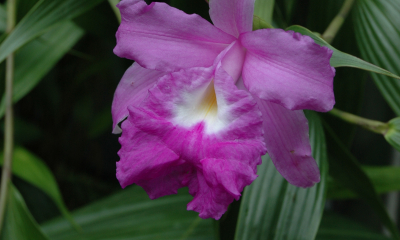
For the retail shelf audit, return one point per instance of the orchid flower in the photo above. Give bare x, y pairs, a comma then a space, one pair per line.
204, 102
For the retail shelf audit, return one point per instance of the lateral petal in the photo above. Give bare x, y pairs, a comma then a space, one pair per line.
131, 91
164, 38
288, 145
288, 68
143, 158
232, 16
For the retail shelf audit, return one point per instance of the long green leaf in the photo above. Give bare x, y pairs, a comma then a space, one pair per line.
385, 179
345, 169
3, 18
113, 5
349, 82
335, 227
42, 17
393, 134
35, 59
19, 223
264, 9
341, 59
271, 208
130, 214
33, 170
377, 28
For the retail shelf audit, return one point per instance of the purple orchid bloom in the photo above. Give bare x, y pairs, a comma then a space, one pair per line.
205, 102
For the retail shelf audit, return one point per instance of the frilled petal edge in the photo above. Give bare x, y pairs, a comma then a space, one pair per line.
131, 91
164, 38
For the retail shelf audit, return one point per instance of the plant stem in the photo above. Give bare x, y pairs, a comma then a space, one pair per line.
374, 126
9, 119
337, 22
113, 4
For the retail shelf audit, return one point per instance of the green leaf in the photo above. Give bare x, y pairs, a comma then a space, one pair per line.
271, 208
130, 214
113, 5
377, 30
335, 227
349, 82
393, 134
35, 59
345, 169
3, 18
385, 179
45, 15
259, 23
19, 223
341, 59
264, 9
33, 170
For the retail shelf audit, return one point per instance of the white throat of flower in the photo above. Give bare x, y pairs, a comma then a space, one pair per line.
202, 105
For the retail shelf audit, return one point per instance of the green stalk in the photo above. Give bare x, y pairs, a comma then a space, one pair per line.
374, 126
113, 4
337, 22
9, 119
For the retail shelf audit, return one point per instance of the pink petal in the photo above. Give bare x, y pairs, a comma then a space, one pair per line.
230, 175
161, 153
232, 61
288, 145
220, 183
131, 91
160, 37
232, 16
289, 69
143, 156
208, 202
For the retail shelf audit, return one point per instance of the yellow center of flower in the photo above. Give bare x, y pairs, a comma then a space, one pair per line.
201, 106
208, 106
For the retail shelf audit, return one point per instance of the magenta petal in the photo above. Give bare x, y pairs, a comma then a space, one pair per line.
288, 145
160, 37
288, 68
131, 90
205, 202
232, 16
147, 162
230, 175
162, 152
232, 61
220, 183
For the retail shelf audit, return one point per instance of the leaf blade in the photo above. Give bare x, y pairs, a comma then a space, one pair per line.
341, 59
385, 179
264, 9
378, 34
45, 15
19, 222
345, 169
33, 170
130, 214
38, 57
336, 227
283, 211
